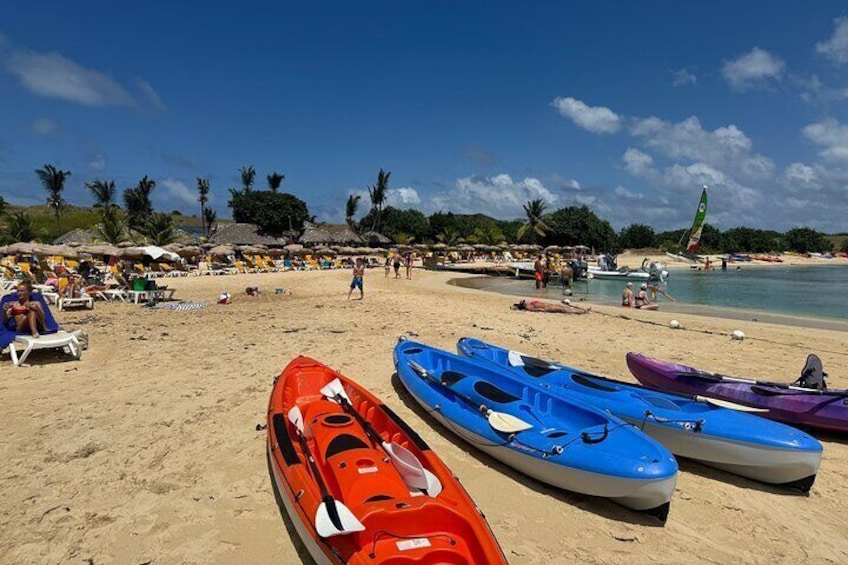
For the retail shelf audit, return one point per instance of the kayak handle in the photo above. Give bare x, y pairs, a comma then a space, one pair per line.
589, 439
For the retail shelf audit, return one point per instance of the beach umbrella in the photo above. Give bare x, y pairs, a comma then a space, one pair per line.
325, 250
131, 252
125, 244
64, 251
346, 250
423, 246
188, 251
276, 251
159, 254
22, 247
100, 249
293, 248
249, 249
207, 245
221, 250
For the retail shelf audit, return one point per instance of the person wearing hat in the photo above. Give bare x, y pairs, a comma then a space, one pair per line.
642, 301
627, 299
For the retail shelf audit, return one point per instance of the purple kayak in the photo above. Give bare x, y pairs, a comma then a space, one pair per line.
807, 402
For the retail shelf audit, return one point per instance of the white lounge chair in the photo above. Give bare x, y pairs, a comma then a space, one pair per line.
110, 294
85, 301
58, 340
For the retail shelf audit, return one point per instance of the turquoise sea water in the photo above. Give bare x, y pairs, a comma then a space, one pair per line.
810, 291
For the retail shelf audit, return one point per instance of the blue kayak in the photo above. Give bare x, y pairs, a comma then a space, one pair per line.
559, 441
734, 441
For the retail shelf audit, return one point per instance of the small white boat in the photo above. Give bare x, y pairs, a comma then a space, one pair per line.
620, 274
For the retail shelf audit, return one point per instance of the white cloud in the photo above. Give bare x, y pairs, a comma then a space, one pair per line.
637, 163
53, 76
178, 190
499, 196
831, 136
836, 48
753, 69
596, 119
149, 93
622, 192
97, 162
799, 175
682, 77
44, 126
402, 197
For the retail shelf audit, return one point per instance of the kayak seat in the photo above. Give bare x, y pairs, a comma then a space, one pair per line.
812, 375
590, 383
493, 393
450, 378
343, 442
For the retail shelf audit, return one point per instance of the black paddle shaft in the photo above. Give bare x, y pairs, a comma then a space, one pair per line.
322, 486
366, 425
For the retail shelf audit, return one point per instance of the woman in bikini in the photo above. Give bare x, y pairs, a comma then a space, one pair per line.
26, 313
539, 306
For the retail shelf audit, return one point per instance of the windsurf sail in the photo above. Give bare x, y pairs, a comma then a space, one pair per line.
698, 224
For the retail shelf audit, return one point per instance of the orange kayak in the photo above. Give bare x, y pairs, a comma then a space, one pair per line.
359, 484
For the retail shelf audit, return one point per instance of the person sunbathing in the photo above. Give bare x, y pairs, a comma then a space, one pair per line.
539, 306
26, 313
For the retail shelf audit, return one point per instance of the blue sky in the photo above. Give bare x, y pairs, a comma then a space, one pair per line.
474, 106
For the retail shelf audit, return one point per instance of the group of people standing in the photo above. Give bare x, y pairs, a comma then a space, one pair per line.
396, 260
392, 261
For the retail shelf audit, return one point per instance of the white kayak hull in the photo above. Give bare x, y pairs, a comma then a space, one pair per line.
762, 463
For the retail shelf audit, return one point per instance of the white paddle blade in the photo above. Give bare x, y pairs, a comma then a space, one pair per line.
296, 418
343, 523
410, 469
507, 423
730, 405
434, 485
333, 389
515, 360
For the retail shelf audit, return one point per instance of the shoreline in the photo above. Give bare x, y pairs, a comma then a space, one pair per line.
720, 312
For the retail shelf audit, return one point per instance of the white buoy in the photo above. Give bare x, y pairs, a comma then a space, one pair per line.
674, 324
738, 334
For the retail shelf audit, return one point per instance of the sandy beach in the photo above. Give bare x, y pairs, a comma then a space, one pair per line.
146, 450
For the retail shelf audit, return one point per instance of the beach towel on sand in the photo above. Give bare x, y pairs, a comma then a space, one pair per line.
179, 306
8, 330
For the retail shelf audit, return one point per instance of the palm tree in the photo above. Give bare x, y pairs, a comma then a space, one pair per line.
112, 226
248, 175
350, 209
160, 229
53, 181
449, 236
138, 205
378, 197
403, 238
209, 216
275, 179
534, 209
203, 191
489, 235
19, 227
103, 192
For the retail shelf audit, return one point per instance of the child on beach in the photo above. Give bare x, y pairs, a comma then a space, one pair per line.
358, 274
396, 265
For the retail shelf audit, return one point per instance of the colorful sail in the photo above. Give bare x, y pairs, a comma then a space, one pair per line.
698, 224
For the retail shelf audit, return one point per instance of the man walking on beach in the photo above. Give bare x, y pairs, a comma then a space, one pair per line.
358, 274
